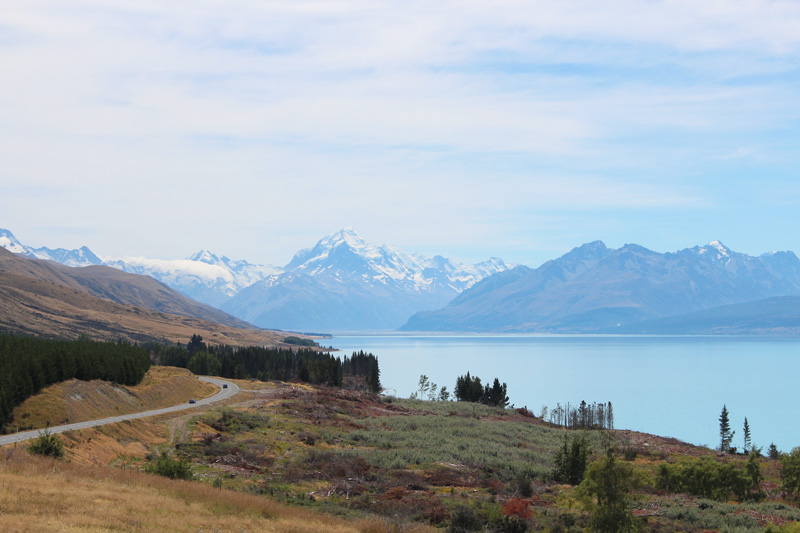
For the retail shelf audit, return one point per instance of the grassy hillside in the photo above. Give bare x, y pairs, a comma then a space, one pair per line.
387, 463
37, 494
47, 299
76, 401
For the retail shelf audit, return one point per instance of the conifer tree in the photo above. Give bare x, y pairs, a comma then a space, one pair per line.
747, 443
725, 433
373, 378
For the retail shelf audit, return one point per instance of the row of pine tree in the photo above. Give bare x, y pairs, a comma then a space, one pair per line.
264, 364
27, 364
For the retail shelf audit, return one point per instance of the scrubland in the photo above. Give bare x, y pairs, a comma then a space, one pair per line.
294, 457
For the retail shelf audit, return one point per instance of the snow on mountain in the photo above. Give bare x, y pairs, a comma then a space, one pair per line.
345, 255
81, 257
342, 283
203, 276
10, 243
73, 258
243, 273
345, 283
594, 288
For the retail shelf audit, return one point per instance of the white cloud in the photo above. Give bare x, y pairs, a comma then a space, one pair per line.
325, 114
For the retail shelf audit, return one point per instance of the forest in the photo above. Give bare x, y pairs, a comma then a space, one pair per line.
28, 364
262, 363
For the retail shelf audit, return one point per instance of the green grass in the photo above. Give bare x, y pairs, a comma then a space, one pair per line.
456, 433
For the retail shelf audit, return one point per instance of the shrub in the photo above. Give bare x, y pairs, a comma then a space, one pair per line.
517, 507
168, 467
606, 493
464, 519
47, 444
711, 479
571, 461
790, 472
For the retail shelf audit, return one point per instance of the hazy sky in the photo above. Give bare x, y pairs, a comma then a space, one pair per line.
517, 129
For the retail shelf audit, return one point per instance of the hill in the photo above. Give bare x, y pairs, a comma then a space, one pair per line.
594, 288
49, 299
381, 464
35, 496
78, 401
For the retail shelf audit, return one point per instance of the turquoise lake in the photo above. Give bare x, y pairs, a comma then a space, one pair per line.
670, 386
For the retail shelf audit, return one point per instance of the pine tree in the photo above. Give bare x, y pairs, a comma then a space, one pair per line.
747, 443
725, 433
373, 378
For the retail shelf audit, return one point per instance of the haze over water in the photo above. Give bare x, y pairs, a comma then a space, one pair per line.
669, 386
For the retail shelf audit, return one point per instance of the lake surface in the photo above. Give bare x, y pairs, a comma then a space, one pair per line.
670, 386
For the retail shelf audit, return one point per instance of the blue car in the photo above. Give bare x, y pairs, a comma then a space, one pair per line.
192, 401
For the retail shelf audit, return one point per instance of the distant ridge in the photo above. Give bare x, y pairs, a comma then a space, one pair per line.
597, 289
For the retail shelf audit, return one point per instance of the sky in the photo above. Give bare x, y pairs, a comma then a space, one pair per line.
470, 129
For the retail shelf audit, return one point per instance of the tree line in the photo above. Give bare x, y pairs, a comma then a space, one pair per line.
267, 363
28, 364
469, 389
583, 416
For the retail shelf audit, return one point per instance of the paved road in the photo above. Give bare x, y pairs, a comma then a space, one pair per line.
221, 395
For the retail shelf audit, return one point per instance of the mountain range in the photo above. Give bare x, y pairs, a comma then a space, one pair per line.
345, 284
595, 289
341, 283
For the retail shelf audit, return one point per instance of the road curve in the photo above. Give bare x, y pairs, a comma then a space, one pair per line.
223, 394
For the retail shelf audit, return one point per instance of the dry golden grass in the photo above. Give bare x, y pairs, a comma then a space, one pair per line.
76, 401
105, 445
42, 494
35, 307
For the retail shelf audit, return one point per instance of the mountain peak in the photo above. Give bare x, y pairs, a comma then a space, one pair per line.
347, 236
204, 256
716, 248
10, 243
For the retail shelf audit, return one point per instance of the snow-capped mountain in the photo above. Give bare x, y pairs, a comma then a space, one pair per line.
203, 276
345, 255
594, 288
344, 283
10, 243
74, 258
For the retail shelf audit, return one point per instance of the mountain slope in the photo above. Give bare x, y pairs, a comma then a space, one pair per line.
203, 277
346, 284
779, 315
48, 299
119, 287
594, 287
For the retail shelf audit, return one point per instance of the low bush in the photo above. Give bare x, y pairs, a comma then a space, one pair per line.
47, 444
168, 467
